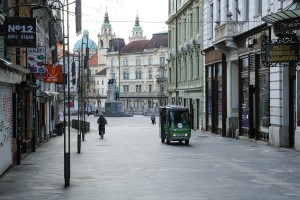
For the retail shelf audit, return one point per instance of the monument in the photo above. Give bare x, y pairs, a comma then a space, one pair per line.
114, 107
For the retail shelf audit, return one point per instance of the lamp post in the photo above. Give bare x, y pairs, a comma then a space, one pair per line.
78, 113
66, 138
82, 91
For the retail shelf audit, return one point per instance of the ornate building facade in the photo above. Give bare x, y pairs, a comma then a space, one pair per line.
185, 65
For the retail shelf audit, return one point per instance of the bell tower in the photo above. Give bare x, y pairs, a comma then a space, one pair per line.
137, 31
104, 39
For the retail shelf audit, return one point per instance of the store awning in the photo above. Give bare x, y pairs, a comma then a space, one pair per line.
51, 93
29, 86
11, 66
11, 73
286, 20
282, 16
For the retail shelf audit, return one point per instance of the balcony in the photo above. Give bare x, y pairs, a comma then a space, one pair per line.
224, 33
161, 79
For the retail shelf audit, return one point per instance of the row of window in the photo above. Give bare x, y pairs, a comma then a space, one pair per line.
138, 74
138, 88
138, 62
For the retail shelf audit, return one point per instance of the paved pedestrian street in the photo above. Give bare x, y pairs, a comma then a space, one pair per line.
132, 163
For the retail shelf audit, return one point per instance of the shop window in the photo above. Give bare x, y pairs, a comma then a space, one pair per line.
245, 102
209, 91
264, 104
220, 103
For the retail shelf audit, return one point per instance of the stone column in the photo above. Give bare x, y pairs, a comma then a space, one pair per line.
232, 96
297, 131
279, 107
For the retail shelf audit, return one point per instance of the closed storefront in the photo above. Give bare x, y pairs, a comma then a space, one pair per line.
6, 124
216, 92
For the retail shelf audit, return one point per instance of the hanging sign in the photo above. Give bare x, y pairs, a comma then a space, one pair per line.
20, 31
36, 58
279, 53
55, 74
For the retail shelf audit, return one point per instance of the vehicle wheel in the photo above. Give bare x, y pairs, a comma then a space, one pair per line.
187, 142
162, 140
168, 141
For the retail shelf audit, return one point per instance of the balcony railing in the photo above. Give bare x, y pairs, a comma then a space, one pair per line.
228, 30
161, 79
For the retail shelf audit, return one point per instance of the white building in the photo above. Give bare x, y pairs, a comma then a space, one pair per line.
254, 98
140, 71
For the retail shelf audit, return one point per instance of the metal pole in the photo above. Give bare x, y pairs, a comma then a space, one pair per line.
66, 139
78, 85
69, 128
78, 112
82, 86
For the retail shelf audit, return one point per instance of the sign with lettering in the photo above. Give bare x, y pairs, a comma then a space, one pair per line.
20, 31
36, 58
279, 53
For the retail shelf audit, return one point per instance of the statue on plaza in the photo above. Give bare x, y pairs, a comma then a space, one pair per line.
113, 106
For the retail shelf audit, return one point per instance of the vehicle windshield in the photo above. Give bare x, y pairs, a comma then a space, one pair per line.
179, 119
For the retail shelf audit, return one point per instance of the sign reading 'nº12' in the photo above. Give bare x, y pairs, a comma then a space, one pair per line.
20, 32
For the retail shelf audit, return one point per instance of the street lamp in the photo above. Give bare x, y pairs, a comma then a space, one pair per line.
82, 91
78, 122
66, 138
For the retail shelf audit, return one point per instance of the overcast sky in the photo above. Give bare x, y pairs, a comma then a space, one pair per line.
152, 13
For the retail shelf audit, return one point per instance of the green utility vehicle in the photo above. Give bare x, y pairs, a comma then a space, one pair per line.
174, 124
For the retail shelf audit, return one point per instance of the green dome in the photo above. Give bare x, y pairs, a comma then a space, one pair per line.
83, 41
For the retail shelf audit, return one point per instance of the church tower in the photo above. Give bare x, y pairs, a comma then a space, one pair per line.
104, 39
137, 31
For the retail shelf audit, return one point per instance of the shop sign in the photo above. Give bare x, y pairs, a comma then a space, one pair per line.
69, 102
20, 32
55, 74
36, 58
280, 53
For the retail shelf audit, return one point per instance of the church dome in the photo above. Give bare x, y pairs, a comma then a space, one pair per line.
83, 41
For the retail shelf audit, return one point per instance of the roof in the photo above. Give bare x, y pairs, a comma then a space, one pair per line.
93, 60
159, 40
117, 44
102, 72
136, 46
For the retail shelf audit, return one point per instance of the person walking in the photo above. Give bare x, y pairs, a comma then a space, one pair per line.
153, 119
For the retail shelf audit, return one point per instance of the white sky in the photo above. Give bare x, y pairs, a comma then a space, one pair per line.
152, 14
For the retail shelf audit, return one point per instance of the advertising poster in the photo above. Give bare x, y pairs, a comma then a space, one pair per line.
36, 59
55, 74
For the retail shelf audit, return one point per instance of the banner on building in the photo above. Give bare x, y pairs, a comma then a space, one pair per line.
20, 31
55, 74
36, 59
